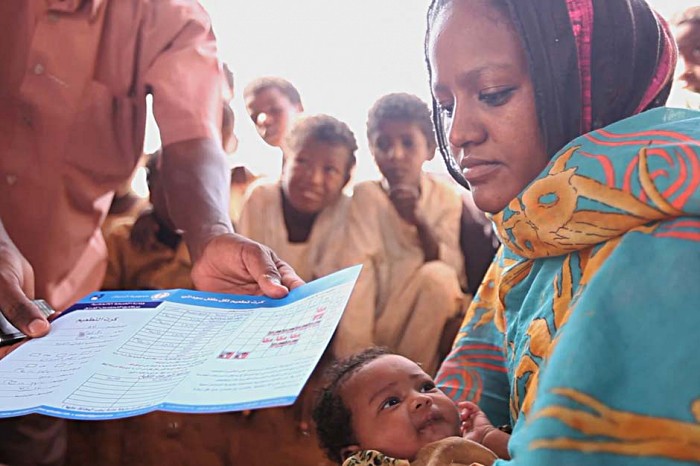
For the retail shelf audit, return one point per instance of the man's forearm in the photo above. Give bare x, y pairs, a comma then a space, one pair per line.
197, 184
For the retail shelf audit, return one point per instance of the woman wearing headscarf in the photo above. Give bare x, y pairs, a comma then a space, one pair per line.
582, 336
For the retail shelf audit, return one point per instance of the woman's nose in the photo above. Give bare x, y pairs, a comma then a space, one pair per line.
465, 129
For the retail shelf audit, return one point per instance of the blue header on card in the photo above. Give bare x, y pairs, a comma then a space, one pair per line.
152, 298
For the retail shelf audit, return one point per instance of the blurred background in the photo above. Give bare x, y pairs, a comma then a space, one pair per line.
341, 56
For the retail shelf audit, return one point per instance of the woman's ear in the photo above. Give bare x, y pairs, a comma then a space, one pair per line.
347, 452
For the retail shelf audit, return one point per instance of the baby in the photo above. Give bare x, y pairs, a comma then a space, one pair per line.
381, 408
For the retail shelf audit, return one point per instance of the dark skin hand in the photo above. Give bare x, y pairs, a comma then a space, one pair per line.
196, 183
17, 290
405, 202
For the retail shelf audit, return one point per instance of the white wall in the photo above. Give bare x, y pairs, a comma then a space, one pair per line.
342, 55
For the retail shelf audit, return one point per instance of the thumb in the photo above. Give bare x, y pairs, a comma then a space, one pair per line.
261, 264
21, 312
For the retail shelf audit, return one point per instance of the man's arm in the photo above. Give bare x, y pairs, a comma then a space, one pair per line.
196, 182
195, 178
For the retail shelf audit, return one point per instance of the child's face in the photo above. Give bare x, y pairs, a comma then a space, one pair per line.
396, 408
315, 175
400, 148
688, 37
273, 114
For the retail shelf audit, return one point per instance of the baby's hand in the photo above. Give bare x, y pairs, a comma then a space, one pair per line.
475, 424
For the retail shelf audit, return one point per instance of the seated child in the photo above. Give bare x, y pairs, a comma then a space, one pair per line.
126, 204
404, 229
301, 215
150, 253
380, 408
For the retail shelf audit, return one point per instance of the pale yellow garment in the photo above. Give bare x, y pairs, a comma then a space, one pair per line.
400, 300
262, 220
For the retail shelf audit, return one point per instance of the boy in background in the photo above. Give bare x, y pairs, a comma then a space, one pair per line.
404, 229
273, 103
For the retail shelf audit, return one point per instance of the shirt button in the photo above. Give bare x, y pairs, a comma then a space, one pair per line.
11, 179
27, 120
38, 69
172, 429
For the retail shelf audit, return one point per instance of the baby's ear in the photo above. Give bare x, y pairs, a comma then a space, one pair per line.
347, 452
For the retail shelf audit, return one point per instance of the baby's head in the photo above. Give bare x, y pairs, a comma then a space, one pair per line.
376, 400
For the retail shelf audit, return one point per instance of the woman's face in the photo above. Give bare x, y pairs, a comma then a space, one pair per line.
481, 82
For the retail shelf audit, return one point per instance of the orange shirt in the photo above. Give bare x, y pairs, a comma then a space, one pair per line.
73, 79
158, 268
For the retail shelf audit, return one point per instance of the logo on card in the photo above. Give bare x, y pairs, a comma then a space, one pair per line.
233, 355
160, 295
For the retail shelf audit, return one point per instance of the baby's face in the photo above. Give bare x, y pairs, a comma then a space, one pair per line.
396, 408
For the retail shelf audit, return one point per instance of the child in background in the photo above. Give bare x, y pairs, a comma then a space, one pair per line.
686, 91
158, 258
380, 408
404, 229
301, 216
273, 103
688, 36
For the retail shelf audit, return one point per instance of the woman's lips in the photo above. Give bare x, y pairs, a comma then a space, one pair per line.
475, 170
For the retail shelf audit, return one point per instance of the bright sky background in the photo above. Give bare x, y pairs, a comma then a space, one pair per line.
341, 55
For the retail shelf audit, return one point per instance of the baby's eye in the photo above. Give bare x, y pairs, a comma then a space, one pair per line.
496, 98
428, 387
392, 401
407, 143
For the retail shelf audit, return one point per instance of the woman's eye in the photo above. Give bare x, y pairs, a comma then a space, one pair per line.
496, 98
393, 401
408, 143
428, 387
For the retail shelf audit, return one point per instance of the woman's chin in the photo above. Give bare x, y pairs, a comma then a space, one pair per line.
490, 199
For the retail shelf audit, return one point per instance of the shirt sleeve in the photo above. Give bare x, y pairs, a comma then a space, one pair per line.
622, 386
182, 71
475, 369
